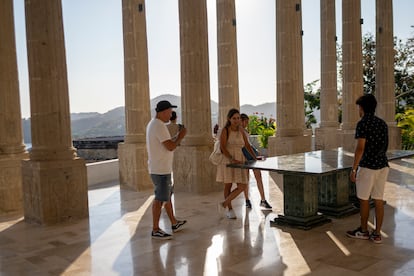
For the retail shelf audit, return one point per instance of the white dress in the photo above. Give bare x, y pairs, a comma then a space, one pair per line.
235, 143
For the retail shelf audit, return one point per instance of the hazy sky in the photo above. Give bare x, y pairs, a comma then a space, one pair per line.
94, 48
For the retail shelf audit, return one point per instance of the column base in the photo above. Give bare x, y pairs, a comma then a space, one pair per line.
338, 211
192, 172
133, 166
55, 191
11, 196
301, 223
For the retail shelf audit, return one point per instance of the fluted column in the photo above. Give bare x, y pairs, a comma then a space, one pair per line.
54, 179
289, 81
132, 153
384, 70
196, 174
327, 133
228, 78
12, 149
352, 70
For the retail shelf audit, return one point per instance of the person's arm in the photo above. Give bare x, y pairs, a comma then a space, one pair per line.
359, 151
173, 144
247, 144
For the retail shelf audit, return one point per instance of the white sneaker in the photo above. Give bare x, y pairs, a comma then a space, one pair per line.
230, 214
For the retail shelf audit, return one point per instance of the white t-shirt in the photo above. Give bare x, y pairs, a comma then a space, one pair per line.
160, 159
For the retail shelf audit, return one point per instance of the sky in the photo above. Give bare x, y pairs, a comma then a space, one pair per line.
94, 48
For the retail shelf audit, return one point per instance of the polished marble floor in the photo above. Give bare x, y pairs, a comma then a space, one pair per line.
115, 240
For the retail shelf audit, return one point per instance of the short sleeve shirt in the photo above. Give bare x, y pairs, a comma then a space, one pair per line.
375, 131
160, 159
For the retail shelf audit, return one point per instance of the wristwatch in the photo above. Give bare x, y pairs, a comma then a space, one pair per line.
353, 171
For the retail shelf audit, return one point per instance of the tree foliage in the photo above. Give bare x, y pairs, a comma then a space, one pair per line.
406, 123
403, 74
312, 102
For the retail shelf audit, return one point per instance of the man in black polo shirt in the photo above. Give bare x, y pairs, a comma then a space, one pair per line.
370, 168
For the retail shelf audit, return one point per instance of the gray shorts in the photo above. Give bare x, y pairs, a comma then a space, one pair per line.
163, 187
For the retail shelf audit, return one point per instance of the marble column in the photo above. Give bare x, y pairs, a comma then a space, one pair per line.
196, 173
133, 168
326, 135
384, 70
228, 78
290, 110
352, 87
12, 149
54, 179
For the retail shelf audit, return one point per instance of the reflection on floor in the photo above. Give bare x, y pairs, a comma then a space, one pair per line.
115, 240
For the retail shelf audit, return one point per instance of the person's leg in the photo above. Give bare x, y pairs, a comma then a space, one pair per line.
363, 191
240, 188
156, 213
379, 215
364, 213
246, 193
259, 181
170, 211
378, 195
364, 183
227, 192
162, 192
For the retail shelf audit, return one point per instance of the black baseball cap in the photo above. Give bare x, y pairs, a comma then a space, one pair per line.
163, 105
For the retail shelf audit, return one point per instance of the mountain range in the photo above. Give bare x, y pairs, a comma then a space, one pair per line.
112, 123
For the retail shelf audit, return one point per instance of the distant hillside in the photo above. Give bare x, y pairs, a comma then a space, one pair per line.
267, 109
112, 123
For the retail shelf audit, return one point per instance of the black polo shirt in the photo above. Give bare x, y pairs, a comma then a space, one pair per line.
375, 131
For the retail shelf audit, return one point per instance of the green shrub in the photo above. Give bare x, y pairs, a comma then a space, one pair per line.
262, 127
406, 122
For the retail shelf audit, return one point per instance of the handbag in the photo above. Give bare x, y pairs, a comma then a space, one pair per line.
216, 156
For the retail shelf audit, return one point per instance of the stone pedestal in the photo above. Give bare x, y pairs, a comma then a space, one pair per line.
193, 172
133, 166
300, 197
55, 191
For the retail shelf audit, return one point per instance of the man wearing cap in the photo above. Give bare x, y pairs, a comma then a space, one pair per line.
160, 149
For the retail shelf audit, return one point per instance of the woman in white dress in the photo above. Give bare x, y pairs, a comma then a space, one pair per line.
232, 139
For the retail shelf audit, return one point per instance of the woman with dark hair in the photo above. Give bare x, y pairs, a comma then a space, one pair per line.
257, 173
232, 140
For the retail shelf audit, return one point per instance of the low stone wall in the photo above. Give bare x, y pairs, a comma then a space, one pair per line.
98, 148
101, 172
97, 154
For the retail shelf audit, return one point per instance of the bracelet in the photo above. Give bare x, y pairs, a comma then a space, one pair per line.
353, 171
